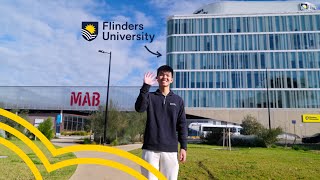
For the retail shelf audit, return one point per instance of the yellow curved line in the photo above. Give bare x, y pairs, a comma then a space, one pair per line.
103, 162
69, 162
76, 148
27, 141
23, 156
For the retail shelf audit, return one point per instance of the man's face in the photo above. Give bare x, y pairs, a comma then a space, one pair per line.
164, 78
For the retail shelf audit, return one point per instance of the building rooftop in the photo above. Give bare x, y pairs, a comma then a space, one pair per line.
255, 7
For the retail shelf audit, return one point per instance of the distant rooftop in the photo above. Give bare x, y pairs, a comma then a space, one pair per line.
255, 7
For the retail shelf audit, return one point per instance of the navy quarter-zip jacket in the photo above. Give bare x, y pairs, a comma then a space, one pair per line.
165, 117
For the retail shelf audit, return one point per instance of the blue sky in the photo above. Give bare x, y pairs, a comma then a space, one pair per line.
41, 43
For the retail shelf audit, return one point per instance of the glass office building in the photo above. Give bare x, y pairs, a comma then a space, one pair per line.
236, 58
228, 61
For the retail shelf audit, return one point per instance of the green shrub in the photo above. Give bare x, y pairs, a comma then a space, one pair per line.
250, 126
295, 147
305, 148
298, 147
46, 128
124, 140
245, 141
74, 133
114, 143
86, 141
214, 136
269, 136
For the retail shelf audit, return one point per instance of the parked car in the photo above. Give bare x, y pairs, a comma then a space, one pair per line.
312, 139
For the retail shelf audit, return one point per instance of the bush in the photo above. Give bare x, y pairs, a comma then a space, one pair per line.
15, 125
86, 141
245, 141
297, 148
126, 127
214, 136
269, 137
114, 143
125, 140
46, 128
251, 126
74, 133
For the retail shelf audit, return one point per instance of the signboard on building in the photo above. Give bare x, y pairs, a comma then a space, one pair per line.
85, 99
307, 7
312, 118
37, 122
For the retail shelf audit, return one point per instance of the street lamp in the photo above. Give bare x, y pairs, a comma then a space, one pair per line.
107, 100
268, 98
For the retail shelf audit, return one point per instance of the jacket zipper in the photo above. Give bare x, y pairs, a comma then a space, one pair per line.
164, 101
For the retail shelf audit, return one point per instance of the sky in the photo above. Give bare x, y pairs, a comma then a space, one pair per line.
41, 42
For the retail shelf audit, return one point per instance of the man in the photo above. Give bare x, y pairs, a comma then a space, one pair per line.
165, 117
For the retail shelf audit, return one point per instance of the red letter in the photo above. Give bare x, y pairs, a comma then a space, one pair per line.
86, 99
96, 98
75, 99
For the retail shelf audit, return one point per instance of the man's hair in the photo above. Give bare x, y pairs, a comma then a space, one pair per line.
164, 68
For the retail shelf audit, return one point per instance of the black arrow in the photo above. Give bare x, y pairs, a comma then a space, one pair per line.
158, 54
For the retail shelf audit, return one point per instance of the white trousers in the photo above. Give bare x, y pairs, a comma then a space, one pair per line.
166, 162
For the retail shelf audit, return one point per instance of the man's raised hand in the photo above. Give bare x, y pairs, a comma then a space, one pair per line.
149, 78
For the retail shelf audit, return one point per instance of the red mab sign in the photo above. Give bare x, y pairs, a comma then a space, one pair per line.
87, 99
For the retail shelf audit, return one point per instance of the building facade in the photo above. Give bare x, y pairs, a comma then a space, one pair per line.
67, 106
231, 61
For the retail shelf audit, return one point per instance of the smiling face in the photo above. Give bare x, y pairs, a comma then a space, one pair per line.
164, 78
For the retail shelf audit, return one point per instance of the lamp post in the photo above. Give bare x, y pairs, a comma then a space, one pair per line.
107, 100
268, 98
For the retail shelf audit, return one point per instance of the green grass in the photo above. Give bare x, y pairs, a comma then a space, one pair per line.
14, 167
208, 162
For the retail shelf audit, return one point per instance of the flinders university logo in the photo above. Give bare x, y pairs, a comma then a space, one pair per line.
90, 30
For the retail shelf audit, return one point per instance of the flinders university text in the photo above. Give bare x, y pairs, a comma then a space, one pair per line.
140, 37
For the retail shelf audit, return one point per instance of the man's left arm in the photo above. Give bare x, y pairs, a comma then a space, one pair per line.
182, 132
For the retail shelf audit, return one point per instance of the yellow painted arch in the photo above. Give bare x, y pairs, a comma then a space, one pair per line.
69, 162
76, 148
23, 156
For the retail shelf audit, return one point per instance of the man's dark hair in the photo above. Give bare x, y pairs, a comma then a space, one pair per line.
165, 68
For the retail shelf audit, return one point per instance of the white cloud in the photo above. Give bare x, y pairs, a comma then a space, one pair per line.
46, 47
41, 42
141, 18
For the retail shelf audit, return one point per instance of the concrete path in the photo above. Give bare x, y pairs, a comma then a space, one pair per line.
97, 172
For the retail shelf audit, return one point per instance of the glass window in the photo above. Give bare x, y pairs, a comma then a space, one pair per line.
249, 81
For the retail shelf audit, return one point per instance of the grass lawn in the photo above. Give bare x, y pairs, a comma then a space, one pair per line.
209, 162
15, 168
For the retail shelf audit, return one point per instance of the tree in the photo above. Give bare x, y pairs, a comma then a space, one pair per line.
136, 125
116, 125
46, 128
97, 122
122, 127
17, 126
269, 137
250, 126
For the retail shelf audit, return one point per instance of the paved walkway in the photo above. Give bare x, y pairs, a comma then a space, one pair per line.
97, 172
